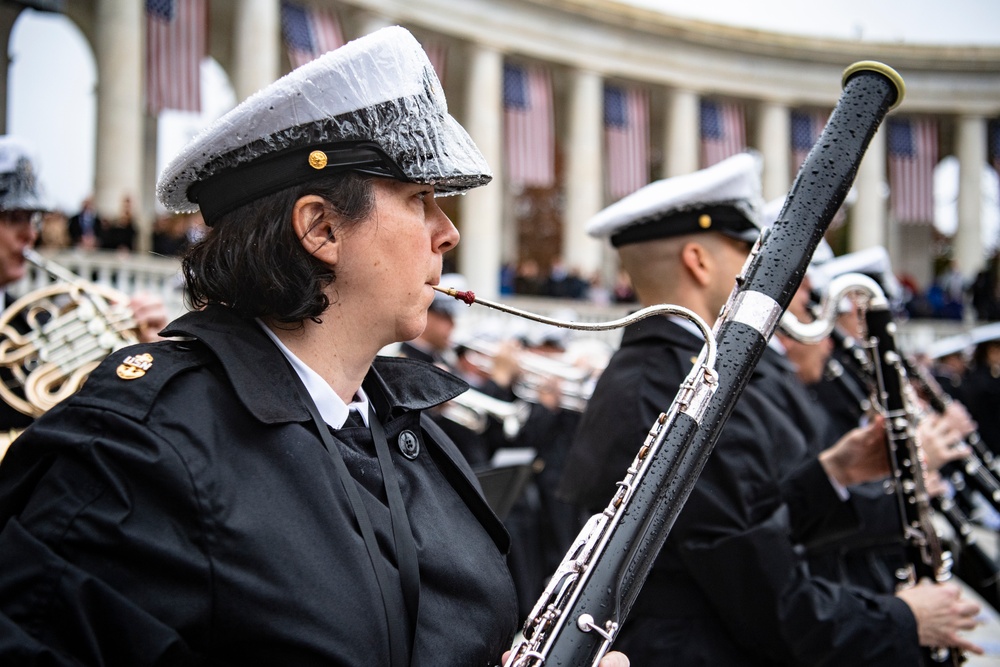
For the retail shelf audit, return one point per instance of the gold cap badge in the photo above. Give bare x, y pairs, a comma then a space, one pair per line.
135, 366
317, 159
705, 221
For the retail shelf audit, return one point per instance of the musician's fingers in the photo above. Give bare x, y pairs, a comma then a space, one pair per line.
967, 646
150, 315
614, 659
960, 418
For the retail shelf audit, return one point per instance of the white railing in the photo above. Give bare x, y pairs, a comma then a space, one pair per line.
130, 273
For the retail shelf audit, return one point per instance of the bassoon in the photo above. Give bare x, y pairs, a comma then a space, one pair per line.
577, 617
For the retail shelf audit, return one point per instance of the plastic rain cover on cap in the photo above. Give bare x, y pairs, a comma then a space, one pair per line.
380, 88
19, 189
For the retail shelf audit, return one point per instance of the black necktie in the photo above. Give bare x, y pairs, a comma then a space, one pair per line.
354, 420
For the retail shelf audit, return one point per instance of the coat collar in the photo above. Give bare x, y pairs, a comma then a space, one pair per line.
267, 386
659, 328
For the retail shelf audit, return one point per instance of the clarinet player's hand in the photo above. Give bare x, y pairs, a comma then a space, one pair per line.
941, 441
612, 659
941, 613
150, 315
859, 456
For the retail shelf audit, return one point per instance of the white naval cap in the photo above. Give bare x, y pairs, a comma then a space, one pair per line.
19, 187
958, 344
873, 262
985, 333
725, 197
375, 105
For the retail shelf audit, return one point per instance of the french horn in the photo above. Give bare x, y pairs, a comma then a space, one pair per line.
54, 336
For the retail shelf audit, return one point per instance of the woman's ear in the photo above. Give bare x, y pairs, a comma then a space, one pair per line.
314, 225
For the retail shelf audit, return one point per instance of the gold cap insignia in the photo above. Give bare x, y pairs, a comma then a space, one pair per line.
317, 159
705, 221
135, 366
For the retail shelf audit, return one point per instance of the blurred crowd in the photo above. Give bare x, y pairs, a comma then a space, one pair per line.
529, 278
950, 296
88, 230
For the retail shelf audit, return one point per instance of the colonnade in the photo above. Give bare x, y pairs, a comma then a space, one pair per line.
589, 42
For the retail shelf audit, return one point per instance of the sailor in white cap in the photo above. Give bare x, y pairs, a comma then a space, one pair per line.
262, 490
731, 585
22, 207
981, 386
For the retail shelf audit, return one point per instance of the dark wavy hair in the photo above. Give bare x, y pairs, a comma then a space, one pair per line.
252, 261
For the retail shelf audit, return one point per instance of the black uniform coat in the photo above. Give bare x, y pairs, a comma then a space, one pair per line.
192, 516
981, 395
729, 587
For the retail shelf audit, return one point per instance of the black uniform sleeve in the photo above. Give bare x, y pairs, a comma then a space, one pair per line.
733, 538
88, 551
816, 513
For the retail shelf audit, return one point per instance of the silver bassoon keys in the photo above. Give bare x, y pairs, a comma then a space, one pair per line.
578, 616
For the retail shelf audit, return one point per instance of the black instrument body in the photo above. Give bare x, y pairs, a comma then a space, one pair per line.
980, 467
925, 556
578, 616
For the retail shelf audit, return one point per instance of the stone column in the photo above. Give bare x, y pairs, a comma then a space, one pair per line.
256, 46
369, 22
683, 133
868, 215
120, 54
146, 216
481, 210
584, 184
8, 14
970, 146
774, 133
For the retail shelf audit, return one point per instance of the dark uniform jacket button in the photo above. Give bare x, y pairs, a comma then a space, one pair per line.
409, 445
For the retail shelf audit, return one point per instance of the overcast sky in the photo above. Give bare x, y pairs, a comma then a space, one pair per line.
52, 74
912, 21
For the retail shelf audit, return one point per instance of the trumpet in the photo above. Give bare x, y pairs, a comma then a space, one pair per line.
537, 373
53, 337
474, 409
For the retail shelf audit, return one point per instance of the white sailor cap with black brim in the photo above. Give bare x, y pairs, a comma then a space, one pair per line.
373, 106
873, 262
724, 198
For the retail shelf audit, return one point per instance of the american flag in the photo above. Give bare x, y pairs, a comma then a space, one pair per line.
913, 153
437, 53
529, 138
626, 132
175, 46
994, 145
806, 128
722, 131
308, 32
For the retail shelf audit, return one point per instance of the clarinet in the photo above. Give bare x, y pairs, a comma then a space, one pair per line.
979, 467
925, 556
973, 565
578, 616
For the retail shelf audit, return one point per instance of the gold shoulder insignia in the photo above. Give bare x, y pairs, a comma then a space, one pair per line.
135, 366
